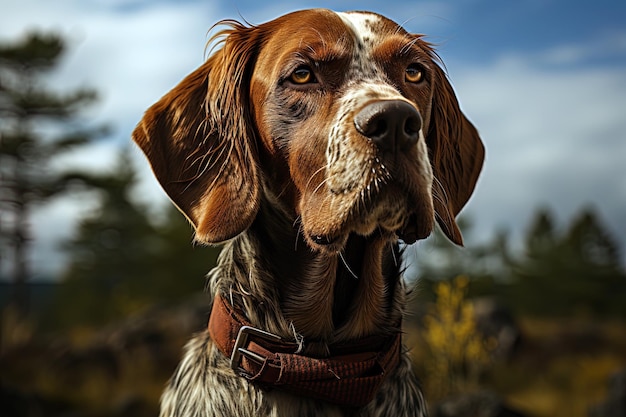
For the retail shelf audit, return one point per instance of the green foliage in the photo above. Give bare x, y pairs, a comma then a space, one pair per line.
438, 258
35, 51
121, 261
573, 270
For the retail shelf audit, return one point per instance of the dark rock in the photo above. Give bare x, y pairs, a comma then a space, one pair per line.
495, 320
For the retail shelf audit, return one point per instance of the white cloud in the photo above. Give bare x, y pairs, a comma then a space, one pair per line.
130, 57
607, 45
553, 137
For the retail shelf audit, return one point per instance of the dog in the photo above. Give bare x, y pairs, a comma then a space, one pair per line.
311, 145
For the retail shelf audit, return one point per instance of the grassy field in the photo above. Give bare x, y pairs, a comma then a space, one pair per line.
560, 369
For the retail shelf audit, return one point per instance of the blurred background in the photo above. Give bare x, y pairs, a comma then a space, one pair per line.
100, 284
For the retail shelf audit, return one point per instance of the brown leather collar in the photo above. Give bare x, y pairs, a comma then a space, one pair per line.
351, 376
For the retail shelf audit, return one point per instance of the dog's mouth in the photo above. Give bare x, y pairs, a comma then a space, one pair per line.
392, 214
411, 232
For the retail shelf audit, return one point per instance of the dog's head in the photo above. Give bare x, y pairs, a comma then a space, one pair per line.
344, 119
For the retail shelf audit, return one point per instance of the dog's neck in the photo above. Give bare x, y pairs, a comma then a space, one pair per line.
285, 287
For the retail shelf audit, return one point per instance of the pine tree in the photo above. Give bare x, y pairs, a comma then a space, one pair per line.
36, 125
109, 251
563, 272
438, 259
123, 258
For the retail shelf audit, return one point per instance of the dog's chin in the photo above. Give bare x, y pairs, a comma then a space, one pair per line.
392, 213
411, 228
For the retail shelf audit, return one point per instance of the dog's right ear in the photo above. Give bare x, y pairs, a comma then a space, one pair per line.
200, 141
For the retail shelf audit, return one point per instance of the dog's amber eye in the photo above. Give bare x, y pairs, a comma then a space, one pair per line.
302, 75
413, 74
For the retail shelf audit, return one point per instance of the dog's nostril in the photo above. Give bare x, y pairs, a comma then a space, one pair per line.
412, 126
379, 129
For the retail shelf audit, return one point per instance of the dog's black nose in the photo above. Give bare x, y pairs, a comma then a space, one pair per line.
392, 125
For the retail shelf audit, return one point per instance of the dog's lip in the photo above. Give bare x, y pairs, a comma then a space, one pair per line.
336, 242
408, 233
412, 230
328, 243
324, 240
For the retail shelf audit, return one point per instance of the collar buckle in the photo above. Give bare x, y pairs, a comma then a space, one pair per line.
240, 347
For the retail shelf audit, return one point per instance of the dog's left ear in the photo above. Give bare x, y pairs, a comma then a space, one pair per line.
201, 144
457, 155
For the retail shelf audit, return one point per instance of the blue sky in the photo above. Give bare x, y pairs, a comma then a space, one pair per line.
543, 80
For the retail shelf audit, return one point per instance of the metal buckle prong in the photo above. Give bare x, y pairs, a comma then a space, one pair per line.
251, 355
241, 342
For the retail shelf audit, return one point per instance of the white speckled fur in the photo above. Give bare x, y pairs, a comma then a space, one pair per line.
353, 167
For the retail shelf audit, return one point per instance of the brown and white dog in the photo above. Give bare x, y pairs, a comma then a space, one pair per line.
309, 144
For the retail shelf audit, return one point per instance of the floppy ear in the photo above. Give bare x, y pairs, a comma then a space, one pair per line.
457, 155
200, 142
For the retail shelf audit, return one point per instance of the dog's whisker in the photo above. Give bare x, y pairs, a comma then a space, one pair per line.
393, 254
306, 187
441, 188
343, 260
320, 185
297, 221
